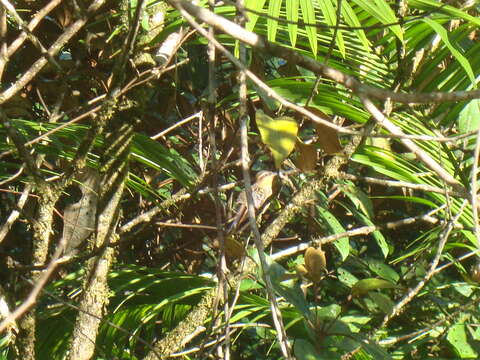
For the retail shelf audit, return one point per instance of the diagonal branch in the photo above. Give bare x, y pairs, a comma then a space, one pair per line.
318, 68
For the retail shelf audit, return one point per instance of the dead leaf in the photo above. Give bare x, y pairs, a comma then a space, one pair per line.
234, 248
307, 156
327, 137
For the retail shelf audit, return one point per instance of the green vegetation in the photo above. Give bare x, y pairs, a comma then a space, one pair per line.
127, 128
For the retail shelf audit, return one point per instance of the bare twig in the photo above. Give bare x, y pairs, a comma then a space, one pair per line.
197, 115
37, 18
431, 271
363, 230
339, 77
35, 41
419, 152
245, 156
400, 184
71, 30
5, 228
474, 188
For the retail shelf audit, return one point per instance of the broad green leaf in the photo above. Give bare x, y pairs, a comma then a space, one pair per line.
292, 15
469, 118
363, 286
345, 277
308, 16
443, 33
304, 350
377, 235
274, 7
359, 199
342, 244
278, 134
382, 301
457, 337
383, 270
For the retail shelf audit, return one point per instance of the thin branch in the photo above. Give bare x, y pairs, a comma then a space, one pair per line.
33, 71
419, 152
294, 57
5, 228
176, 125
401, 184
37, 288
245, 156
474, 188
431, 271
3, 41
35, 41
363, 230
37, 18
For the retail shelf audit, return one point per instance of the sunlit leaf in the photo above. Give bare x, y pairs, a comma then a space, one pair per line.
256, 5
469, 118
278, 134
443, 33
457, 337
274, 7
308, 16
291, 8
363, 286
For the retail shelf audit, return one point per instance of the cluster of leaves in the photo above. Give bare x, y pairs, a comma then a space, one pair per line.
335, 308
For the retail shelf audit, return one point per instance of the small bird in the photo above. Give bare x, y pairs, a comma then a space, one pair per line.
262, 190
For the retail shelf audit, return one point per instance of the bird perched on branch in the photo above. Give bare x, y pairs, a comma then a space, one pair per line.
262, 190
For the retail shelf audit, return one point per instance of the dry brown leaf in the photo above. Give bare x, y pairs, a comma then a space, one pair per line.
307, 156
327, 137
234, 248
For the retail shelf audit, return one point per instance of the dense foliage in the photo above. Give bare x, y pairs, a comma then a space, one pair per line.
121, 165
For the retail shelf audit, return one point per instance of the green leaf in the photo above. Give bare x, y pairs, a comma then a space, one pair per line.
457, 337
274, 7
383, 270
292, 15
359, 199
352, 20
256, 5
308, 15
304, 350
469, 118
330, 15
380, 10
342, 244
278, 134
363, 286
382, 301
345, 277
444, 8
443, 33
